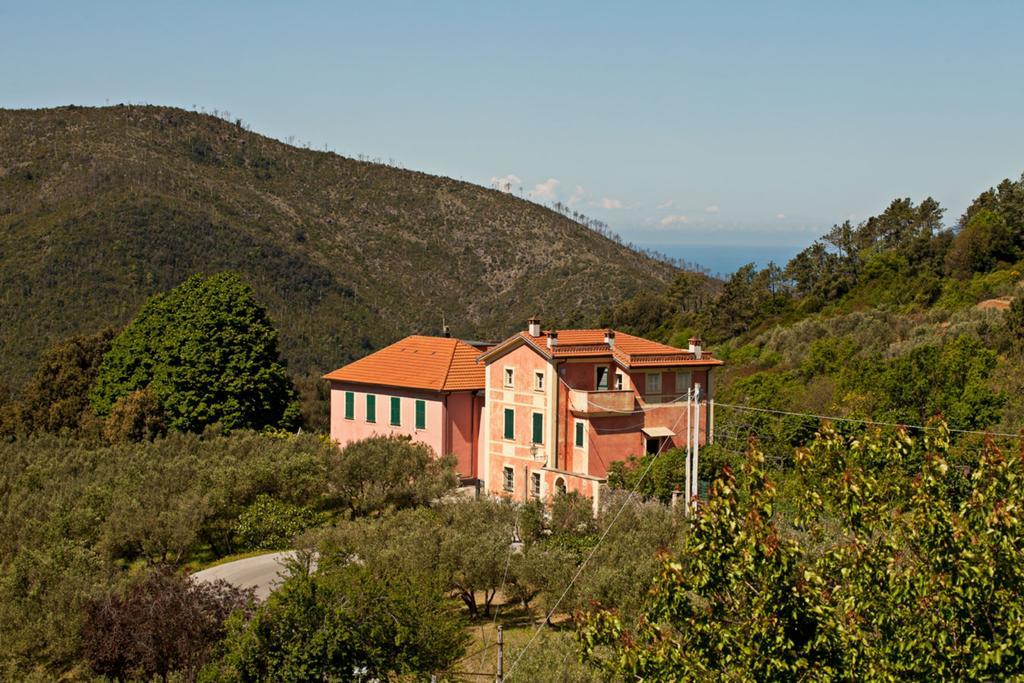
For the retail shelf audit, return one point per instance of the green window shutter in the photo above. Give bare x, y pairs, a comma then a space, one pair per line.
579, 434
371, 408
396, 411
538, 428
510, 423
350, 405
421, 414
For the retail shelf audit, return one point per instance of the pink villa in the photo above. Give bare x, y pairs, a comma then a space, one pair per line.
536, 414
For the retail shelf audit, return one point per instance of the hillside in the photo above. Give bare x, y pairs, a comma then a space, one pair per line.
101, 207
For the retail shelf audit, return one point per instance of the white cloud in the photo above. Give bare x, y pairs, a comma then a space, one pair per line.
577, 196
611, 203
665, 204
545, 190
711, 209
506, 183
780, 216
674, 219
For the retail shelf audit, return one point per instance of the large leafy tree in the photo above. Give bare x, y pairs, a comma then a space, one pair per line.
883, 576
345, 621
207, 351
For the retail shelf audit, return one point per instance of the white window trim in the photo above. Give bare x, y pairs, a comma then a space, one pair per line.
574, 428
538, 380
508, 377
537, 492
508, 479
608, 379
620, 380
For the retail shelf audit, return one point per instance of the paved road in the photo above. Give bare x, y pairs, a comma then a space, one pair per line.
263, 572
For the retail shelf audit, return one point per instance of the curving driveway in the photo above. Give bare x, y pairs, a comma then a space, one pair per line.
263, 572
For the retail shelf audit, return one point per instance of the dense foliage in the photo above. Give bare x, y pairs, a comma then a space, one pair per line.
161, 623
207, 352
75, 518
898, 567
344, 622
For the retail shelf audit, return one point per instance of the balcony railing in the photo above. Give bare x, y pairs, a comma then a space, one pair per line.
600, 403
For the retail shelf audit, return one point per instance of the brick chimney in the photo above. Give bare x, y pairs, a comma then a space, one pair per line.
695, 347
533, 326
552, 339
609, 337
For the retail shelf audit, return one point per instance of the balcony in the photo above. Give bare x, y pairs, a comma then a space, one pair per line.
601, 403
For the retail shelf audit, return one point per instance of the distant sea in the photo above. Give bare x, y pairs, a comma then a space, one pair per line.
725, 259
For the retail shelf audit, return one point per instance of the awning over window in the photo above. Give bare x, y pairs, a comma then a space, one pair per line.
656, 432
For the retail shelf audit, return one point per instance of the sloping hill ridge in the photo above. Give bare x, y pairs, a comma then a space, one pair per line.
101, 207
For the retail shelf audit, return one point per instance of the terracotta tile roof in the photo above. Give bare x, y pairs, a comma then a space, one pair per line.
629, 350
418, 362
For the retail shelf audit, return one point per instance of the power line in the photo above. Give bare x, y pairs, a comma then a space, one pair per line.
836, 418
592, 552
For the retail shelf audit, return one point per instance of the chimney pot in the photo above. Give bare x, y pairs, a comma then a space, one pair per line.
609, 337
552, 339
695, 347
533, 326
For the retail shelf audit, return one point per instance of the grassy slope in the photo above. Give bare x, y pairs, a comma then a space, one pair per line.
99, 208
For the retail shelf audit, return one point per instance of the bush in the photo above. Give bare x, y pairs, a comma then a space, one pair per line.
163, 622
271, 524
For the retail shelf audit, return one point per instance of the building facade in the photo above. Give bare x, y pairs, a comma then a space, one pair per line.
536, 414
561, 406
429, 389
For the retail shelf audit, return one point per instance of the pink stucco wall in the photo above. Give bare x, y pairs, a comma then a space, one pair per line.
346, 431
518, 453
451, 420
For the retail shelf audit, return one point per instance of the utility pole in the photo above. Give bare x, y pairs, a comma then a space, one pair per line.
501, 658
696, 444
689, 449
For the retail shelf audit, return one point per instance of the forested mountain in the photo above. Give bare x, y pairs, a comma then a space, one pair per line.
102, 207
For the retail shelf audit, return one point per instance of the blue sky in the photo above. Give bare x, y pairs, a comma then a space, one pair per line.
731, 124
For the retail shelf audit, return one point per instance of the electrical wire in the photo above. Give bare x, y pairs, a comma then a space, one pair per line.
836, 418
593, 550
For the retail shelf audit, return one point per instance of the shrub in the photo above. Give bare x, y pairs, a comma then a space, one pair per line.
271, 524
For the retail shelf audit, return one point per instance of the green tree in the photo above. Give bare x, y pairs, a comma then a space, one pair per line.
208, 353
1015, 322
382, 473
271, 524
981, 244
949, 380
57, 396
885, 576
344, 620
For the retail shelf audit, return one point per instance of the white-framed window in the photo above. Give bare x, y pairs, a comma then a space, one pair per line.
654, 383
580, 433
601, 378
509, 377
508, 479
538, 380
535, 484
620, 381
684, 380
